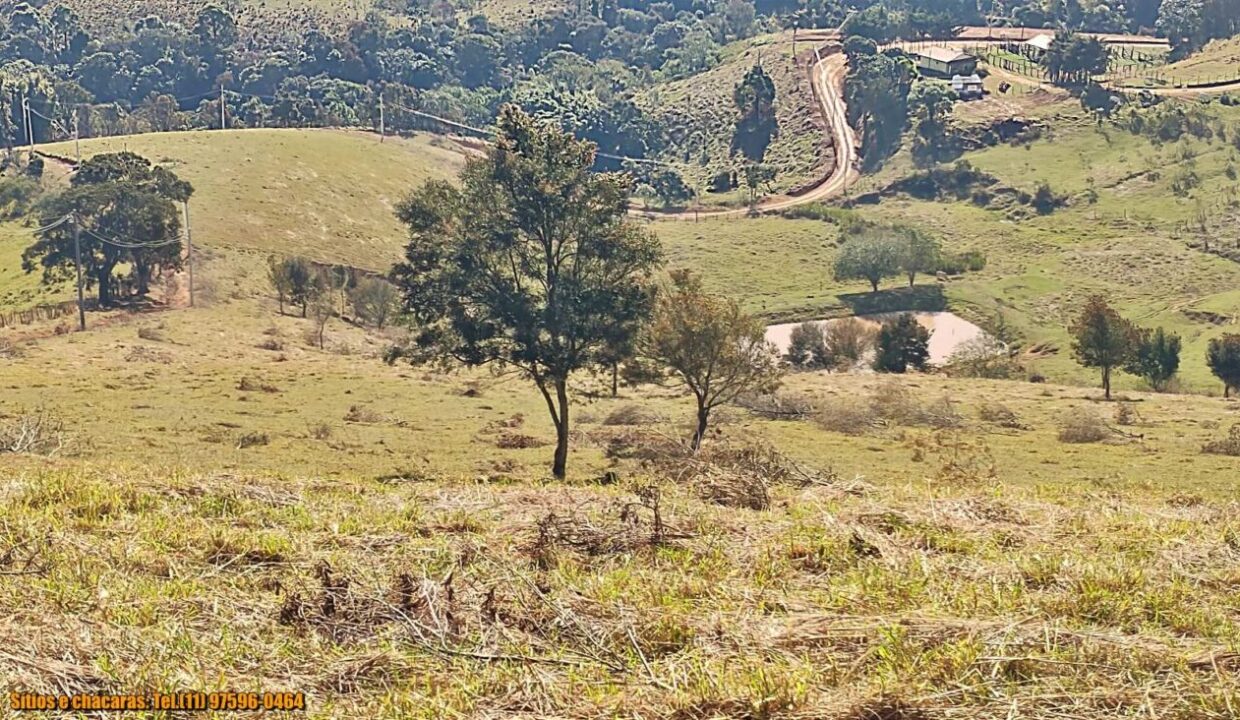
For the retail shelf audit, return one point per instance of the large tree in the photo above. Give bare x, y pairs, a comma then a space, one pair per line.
872, 254
1102, 339
1223, 357
716, 349
756, 124
1073, 58
530, 263
127, 212
1155, 357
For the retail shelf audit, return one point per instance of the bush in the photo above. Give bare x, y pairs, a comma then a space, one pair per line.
37, 432
374, 301
850, 340
959, 263
17, 196
983, 357
1229, 445
807, 347
999, 414
630, 415
848, 418
1083, 426
902, 344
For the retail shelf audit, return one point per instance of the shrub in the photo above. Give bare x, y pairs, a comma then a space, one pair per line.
37, 432
1083, 426
983, 357
17, 196
902, 344
999, 414
850, 340
848, 418
1229, 445
1126, 414
252, 439
807, 347
630, 415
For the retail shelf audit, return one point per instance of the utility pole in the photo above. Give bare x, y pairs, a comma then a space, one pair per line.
77, 140
223, 120
382, 119
77, 259
26, 122
189, 246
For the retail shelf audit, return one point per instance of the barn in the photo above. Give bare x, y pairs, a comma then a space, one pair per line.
944, 62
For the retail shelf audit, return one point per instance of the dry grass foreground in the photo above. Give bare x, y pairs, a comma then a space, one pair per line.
456, 600
736, 585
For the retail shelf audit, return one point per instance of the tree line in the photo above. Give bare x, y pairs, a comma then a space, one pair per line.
1103, 339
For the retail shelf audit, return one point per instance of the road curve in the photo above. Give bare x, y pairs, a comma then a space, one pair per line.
827, 80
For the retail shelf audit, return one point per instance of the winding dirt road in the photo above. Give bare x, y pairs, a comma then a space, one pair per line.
827, 79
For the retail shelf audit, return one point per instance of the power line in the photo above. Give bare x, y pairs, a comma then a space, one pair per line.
130, 244
53, 225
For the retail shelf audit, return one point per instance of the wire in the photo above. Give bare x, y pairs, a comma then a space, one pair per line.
132, 245
53, 225
481, 131
445, 121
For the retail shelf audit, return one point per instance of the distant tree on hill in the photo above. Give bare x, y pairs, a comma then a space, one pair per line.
872, 255
756, 124
716, 349
295, 281
1102, 339
857, 46
529, 263
876, 94
1223, 357
129, 214
1155, 357
918, 253
1073, 58
757, 176
929, 105
902, 344
374, 301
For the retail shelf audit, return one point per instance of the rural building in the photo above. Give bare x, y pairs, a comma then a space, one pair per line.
944, 62
968, 87
1036, 46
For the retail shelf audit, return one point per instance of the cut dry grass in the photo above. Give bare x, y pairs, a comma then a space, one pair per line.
626, 602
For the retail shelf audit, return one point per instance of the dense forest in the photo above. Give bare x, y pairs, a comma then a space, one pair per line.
580, 66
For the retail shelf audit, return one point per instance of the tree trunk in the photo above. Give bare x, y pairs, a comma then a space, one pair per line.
104, 279
703, 419
1226, 390
615, 379
303, 308
1106, 382
874, 284
560, 467
911, 278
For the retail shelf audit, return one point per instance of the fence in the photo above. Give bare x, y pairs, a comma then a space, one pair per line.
49, 311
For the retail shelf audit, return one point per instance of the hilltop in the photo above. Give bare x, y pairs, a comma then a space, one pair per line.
327, 194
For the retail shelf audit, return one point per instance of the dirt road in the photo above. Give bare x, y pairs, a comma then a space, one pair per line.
827, 79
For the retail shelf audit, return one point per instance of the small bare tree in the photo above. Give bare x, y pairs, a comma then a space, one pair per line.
717, 350
322, 308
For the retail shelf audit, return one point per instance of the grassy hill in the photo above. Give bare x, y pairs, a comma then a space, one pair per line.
701, 107
326, 194
1219, 60
1134, 230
